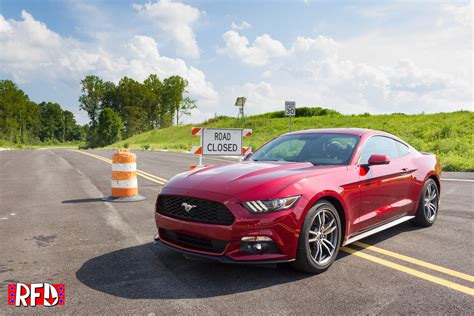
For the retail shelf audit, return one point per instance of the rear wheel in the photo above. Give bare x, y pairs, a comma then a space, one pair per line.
428, 206
319, 240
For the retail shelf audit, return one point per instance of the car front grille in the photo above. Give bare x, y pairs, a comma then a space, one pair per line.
193, 242
203, 211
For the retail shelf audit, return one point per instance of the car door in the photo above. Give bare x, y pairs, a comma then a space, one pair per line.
383, 188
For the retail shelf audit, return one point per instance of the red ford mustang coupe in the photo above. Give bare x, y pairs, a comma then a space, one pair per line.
299, 198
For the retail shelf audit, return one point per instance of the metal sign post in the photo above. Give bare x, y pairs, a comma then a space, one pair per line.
200, 155
240, 102
290, 111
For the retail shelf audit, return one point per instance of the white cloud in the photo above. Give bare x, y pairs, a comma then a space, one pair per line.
410, 69
29, 46
460, 14
316, 72
30, 51
176, 19
242, 26
260, 53
147, 60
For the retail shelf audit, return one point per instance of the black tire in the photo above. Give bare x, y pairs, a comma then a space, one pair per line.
425, 216
304, 256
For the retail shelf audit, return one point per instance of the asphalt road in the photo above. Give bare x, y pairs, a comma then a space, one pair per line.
54, 228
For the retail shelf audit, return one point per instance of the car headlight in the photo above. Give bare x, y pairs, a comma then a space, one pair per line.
275, 205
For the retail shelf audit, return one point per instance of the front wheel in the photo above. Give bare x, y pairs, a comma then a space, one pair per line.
320, 238
428, 206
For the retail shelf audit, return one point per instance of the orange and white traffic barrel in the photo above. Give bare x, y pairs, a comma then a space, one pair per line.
124, 177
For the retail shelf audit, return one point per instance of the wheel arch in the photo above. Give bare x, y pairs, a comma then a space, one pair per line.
340, 210
436, 180
339, 205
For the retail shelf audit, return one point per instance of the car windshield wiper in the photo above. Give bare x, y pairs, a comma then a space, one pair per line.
266, 160
313, 163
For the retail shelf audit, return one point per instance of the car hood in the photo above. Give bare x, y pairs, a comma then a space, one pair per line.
254, 178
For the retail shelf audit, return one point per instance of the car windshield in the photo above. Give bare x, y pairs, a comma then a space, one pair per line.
318, 149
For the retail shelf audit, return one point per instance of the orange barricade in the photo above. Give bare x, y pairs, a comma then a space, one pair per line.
124, 177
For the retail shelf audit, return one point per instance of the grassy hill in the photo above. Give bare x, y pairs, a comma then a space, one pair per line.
449, 135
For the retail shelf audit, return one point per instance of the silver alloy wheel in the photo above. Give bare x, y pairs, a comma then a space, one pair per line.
430, 202
323, 236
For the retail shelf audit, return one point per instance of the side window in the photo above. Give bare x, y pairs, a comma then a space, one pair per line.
378, 145
403, 149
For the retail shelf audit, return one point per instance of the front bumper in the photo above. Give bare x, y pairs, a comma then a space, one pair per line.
221, 259
282, 227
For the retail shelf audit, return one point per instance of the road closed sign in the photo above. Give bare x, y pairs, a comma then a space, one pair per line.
222, 142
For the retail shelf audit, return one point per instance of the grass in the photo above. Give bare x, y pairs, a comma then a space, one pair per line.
449, 135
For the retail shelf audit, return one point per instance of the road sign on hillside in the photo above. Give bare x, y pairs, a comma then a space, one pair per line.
290, 108
290, 111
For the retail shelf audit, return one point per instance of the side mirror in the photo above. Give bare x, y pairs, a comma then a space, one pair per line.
378, 160
248, 157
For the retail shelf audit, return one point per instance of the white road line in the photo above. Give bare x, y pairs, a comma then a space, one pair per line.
460, 180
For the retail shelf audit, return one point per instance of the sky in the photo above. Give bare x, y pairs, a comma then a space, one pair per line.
351, 56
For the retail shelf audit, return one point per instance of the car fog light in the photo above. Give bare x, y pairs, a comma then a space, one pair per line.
257, 245
256, 238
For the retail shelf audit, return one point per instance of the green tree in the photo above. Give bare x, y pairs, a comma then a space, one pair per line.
52, 122
13, 105
109, 96
109, 127
31, 122
152, 99
185, 108
92, 88
24, 121
71, 131
130, 100
173, 89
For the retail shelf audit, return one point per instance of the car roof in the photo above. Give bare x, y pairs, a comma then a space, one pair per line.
351, 131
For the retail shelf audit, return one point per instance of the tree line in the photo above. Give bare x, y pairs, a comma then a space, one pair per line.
115, 111
23, 121
130, 107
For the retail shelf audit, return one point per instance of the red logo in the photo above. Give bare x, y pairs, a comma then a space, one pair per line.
34, 294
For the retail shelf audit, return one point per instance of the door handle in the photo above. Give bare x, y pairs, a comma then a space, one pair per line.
404, 170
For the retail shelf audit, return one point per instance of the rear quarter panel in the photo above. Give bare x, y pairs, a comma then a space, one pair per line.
425, 165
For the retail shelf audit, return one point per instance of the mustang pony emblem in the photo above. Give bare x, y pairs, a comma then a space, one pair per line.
188, 207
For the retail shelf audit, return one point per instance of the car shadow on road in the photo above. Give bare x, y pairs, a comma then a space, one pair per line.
154, 272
